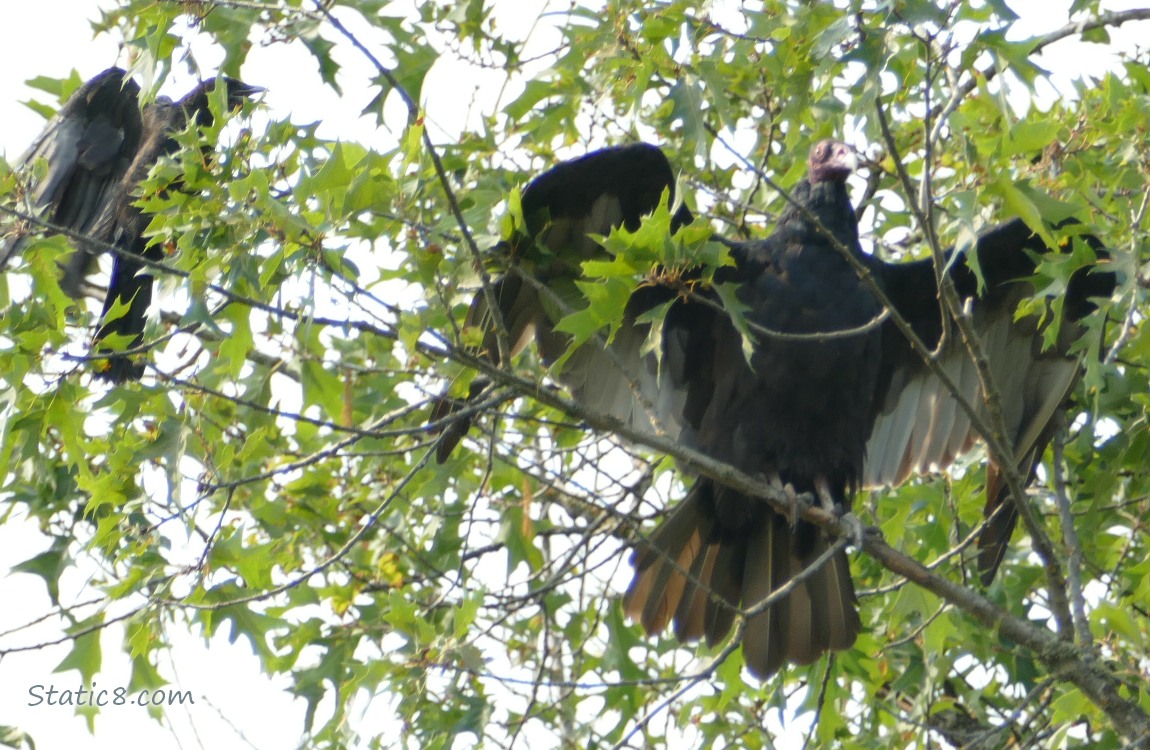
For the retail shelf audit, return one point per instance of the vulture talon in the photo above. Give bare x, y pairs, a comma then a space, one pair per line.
826, 498
797, 503
856, 532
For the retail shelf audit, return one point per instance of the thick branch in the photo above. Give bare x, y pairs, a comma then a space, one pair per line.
1065, 661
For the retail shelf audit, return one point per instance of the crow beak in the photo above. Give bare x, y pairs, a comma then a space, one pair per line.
239, 88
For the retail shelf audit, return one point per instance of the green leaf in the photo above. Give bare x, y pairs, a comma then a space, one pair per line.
606, 301
1028, 137
686, 98
48, 565
85, 655
736, 311
413, 144
320, 49
238, 343
1021, 206
534, 92
411, 68
321, 387
14, 738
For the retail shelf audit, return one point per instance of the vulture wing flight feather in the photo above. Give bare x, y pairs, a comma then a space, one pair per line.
827, 414
561, 208
98, 150
919, 426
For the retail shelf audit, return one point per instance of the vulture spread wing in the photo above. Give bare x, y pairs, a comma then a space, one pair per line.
87, 147
826, 414
919, 426
590, 195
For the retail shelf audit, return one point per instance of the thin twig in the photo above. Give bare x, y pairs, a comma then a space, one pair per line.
1038, 43
366, 525
440, 171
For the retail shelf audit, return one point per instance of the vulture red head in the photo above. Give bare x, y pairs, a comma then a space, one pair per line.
831, 160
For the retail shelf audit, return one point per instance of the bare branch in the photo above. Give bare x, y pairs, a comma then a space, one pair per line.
1070, 539
1065, 661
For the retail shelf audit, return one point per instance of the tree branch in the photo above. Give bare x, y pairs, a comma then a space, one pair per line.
1074, 28
1070, 538
953, 311
440, 172
1065, 661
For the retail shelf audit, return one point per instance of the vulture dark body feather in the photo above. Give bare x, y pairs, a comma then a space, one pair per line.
589, 195
799, 411
829, 415
99, 149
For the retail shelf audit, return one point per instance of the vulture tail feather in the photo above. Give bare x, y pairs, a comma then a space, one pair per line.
692, 575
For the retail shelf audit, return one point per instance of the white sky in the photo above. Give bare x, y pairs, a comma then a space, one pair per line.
51, 37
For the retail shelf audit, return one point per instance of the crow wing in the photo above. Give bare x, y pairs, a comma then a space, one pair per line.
124, 223
87, 148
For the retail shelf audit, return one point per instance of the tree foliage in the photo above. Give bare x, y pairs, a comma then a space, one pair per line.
271, 476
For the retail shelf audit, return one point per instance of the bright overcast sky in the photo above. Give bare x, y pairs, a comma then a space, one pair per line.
51, 37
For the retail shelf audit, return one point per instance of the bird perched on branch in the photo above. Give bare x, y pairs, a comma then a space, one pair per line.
814, 389
98, 149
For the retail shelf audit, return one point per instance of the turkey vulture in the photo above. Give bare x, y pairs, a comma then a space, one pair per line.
98, 149
826, 415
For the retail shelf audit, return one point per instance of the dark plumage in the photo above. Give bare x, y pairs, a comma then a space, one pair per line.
919, 426
98, 150
130, 283
593, 194
799, 412
87, 147
826, 416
